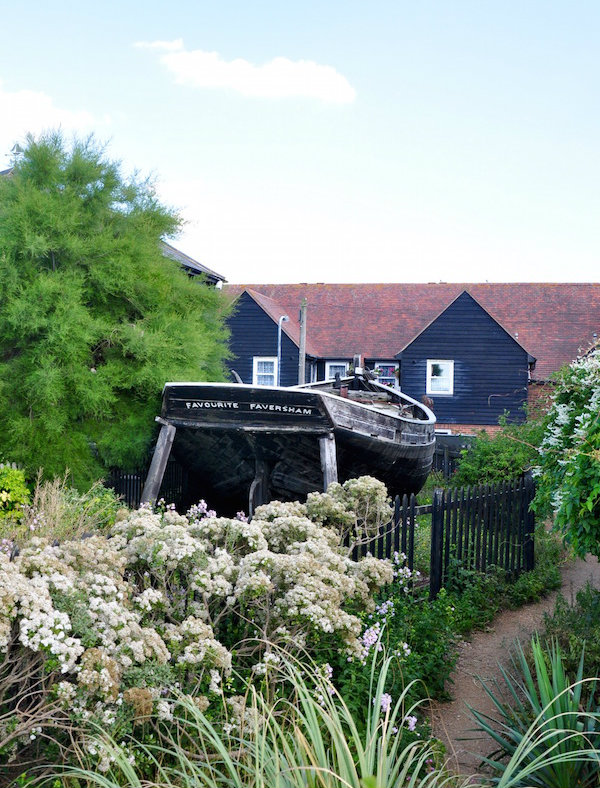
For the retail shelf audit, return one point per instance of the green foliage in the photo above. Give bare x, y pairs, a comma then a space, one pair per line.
421, 636
574, 626
94, 318
14, 493
59, 511
543, 724
309, 740
569, 465
499, 457
544, 577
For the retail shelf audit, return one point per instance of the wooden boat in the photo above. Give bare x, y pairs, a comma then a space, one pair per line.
244, 445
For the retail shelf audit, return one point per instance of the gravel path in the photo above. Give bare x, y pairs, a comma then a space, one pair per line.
480, 656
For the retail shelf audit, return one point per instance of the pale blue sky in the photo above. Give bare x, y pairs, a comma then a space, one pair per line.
336, 141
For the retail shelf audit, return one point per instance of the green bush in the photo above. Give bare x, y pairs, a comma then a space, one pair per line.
505, 455
569, 463
60, 512
576, 625
311, 740
14, 493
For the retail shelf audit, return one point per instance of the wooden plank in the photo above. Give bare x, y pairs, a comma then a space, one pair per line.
411, 534
399, 524
461, 520
389, 528
487, 529
405, 524
513, 517
467, 528
158, 464
259, 489
478, 526
528, 548
447, 519
437, 525
328, 459
496, 524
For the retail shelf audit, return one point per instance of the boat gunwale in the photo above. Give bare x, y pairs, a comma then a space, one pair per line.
429, 421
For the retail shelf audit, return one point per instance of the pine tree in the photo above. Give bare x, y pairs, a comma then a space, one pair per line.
93, 318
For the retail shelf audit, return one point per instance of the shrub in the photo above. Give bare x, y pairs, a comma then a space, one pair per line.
14, 493
575, 627
309, 740
59, 511
505, 455
96, 630
355, 509
569, 463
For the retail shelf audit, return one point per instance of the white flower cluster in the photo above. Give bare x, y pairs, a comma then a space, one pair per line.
161, 596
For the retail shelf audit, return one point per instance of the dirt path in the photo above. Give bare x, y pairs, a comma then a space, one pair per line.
479, 657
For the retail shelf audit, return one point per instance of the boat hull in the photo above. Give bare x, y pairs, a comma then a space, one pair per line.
225, 432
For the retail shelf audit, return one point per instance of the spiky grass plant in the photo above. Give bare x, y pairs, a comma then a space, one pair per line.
305, 740
548, 734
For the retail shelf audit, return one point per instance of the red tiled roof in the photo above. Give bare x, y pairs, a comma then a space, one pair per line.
291, 327
551, 321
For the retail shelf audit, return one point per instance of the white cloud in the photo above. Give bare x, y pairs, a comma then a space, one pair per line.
25, 111
279, 78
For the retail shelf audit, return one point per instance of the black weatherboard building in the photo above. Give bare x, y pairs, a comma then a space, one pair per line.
477, 350
255, 335
471, 367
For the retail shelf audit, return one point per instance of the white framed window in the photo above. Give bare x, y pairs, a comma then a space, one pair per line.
386, 373
332, 368
264, 371
440, 377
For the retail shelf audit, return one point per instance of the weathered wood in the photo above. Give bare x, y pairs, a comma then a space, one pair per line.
437, 528
411, 535
302, 346
259, 489
159, 463
528, 547
328, 459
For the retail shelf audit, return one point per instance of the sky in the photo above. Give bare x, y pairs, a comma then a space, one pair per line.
334, 140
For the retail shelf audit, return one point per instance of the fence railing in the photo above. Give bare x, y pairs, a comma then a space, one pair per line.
471, 528
479, 527
130, 485
448, 452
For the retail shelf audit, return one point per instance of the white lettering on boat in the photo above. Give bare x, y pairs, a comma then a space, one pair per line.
281, 408
205, 403
216, 404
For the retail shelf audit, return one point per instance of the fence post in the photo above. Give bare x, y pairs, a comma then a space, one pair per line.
528, 547
437, 527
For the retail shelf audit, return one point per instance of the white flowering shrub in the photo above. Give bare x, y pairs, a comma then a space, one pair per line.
356, 509
105, 628
568, 475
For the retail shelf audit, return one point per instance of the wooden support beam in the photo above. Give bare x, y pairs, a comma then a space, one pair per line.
328, 460
159, 463
259, 489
